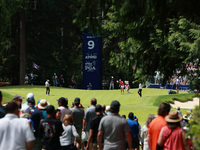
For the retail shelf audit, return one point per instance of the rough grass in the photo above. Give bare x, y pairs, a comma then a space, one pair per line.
140, 106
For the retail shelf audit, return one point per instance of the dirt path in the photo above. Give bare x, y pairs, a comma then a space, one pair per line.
186, 105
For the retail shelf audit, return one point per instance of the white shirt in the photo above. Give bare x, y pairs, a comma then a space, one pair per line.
14, 133
140, 86
47, 84
144, 134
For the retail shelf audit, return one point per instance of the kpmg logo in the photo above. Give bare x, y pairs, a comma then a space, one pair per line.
91, 56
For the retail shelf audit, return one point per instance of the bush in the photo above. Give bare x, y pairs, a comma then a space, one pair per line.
194, 128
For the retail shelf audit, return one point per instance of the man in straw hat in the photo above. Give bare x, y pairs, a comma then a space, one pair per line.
172, 136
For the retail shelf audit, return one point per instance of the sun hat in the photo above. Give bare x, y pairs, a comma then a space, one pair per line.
43, 104
173, 117
25, 115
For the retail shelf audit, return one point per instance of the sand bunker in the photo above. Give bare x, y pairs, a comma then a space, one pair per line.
186, 105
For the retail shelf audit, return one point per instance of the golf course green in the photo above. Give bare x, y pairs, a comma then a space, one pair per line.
140, 106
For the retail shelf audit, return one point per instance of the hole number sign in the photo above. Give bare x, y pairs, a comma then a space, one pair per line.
91, 44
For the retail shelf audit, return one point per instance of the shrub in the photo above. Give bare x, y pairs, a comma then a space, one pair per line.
194, 128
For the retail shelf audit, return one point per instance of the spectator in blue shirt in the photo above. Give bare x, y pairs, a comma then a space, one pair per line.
134, 131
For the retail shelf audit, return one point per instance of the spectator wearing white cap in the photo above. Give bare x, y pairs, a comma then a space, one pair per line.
29, 95
108, 110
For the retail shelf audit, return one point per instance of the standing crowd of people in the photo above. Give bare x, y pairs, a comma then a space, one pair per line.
42, 126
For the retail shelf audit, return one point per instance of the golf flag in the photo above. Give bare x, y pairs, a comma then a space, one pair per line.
36, 66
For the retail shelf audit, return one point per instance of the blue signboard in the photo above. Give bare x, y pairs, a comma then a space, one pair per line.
92, 57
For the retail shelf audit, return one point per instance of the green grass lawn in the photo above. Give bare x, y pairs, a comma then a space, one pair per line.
140, 106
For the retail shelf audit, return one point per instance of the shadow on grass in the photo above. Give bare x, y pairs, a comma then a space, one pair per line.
7, 97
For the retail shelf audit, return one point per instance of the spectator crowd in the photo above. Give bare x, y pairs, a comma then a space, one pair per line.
41, 126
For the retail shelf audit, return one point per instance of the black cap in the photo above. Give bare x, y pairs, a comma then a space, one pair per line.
114, 106
62, 99
31, 100
77, 100
98, 108
50, 109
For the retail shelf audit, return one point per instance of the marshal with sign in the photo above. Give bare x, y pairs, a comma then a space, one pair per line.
92, 57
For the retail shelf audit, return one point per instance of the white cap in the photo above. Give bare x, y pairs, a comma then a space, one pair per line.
30, 95
107, 108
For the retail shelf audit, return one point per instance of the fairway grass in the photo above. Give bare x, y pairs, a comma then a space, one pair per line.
140, 106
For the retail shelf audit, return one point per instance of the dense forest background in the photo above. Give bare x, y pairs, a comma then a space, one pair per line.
139, 37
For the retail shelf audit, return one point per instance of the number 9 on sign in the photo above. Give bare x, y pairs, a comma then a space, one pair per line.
90, 44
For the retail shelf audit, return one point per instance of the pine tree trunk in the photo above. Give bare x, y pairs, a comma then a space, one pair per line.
22, 47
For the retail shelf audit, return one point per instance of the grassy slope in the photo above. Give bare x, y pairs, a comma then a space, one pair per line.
141, 107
